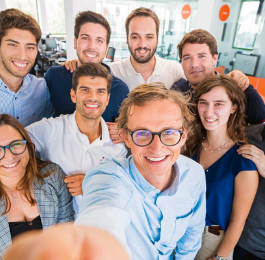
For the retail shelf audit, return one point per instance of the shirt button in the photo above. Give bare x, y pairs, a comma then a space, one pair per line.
15, 97
207, 170
17, 117
164, 223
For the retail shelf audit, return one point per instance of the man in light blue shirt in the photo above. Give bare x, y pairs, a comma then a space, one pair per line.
22, 95
154, 201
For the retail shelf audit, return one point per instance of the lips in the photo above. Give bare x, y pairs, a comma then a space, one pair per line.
91, 54
196, 71
20, 65
142, 50
209, 120
11, 165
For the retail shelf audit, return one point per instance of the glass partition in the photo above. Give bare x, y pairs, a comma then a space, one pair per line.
172, 25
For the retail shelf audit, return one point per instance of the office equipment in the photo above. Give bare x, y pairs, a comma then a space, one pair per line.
50, 44
247, 63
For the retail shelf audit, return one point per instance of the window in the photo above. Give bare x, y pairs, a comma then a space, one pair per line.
26, 6
55, 16
248, 25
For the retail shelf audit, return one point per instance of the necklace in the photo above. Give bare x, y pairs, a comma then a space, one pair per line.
216, 149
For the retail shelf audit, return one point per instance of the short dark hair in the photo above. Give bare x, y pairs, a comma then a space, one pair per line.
142, 12
93, 70
14, 18
91, 17
198, 36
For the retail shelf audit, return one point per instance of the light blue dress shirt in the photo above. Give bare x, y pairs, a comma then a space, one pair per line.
150, 224
30, 103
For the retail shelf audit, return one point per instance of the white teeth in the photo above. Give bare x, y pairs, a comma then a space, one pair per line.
11, 165
21, 65
156, 159
210, 120
90, 55
143, 51
91, 105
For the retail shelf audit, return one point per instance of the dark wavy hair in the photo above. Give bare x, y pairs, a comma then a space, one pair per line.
14, 18
236, 125
33, 168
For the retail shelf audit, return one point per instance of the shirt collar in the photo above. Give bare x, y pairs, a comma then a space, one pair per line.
104, 138
147, 188
25, 83
131, 71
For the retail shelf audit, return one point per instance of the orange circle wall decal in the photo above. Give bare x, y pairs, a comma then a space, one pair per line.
186, 11
224, 12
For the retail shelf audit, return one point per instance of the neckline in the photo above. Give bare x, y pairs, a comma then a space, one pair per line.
227, 152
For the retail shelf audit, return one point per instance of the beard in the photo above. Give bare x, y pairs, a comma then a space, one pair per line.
8, 66
142, 59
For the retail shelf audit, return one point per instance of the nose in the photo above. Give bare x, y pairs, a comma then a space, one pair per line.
194, 62
142, 42
91, 44
209, 109
156, 144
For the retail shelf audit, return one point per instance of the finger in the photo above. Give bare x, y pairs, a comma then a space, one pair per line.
76, 193
251, 157
74, 185
75, 190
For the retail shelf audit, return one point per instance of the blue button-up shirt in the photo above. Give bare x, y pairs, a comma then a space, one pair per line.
29, 104
149, 223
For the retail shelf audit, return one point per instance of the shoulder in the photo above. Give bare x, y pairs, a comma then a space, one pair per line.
56, 73
190, 169
181, 85
119, 84
55, 175
38, 83
118, 65
118, 169
239, 163
168, 63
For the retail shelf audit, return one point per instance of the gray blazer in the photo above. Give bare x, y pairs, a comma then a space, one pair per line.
54, 202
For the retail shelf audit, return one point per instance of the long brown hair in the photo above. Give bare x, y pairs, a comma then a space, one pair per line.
236, 125
33, 168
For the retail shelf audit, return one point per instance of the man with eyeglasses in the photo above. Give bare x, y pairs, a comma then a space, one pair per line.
153, 201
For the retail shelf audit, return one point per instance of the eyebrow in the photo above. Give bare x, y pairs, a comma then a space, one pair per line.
200, 53
86, 87
220, 101
149, 34
10, 40
98, 37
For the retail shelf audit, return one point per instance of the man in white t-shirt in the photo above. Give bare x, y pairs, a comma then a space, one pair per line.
79, 141
142, 29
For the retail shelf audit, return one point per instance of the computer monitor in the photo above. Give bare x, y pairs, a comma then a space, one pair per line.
50, 44
247, 63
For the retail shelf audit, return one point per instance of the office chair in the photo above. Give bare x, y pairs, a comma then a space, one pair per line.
111, 53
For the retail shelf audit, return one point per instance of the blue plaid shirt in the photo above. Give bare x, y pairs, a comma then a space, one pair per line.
29, 104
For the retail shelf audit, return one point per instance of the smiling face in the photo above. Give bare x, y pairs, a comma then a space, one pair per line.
155, 161
12, 166
18, 51
215, 108
197, 62
142, 39
91, 97
91, 45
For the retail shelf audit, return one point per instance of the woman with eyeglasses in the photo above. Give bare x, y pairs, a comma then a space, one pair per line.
231, 179
33, 194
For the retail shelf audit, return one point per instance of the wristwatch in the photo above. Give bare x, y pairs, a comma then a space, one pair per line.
220, 257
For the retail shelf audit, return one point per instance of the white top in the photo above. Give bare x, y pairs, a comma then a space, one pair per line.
166, 71
60, 141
